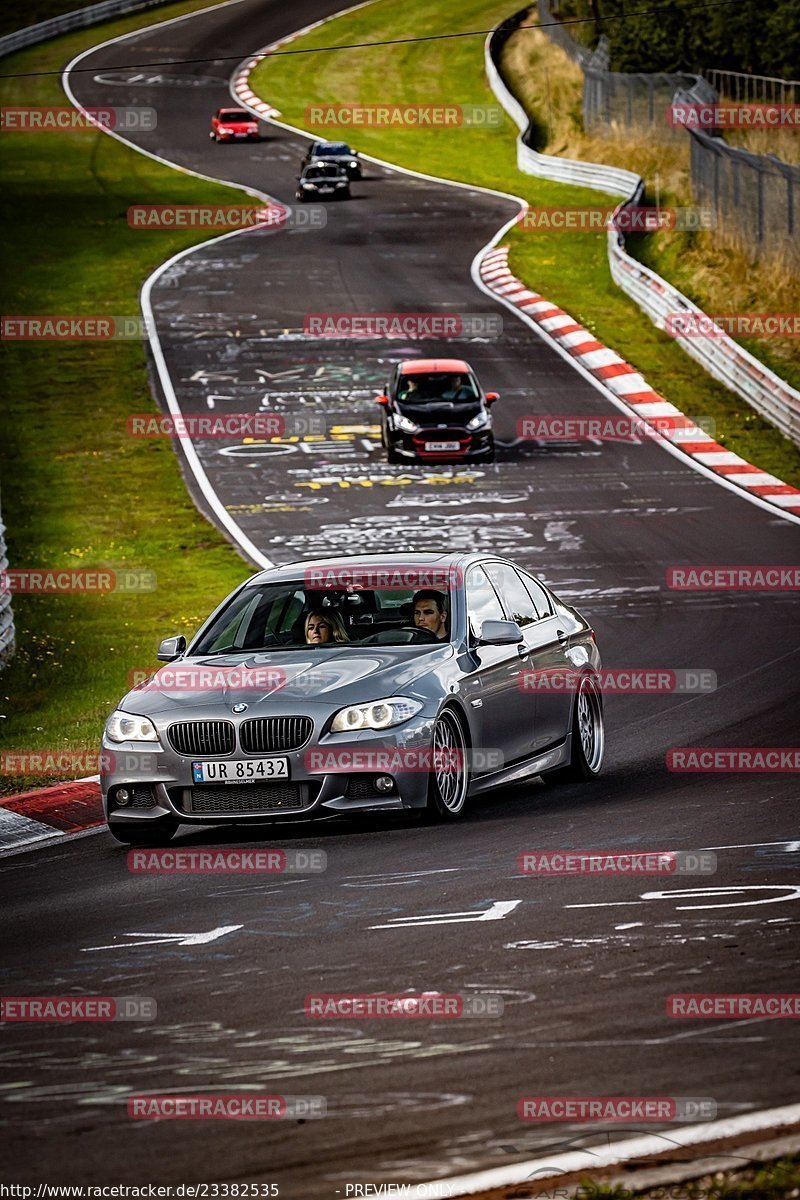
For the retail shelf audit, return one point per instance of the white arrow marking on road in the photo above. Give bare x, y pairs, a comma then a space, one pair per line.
790, 891
496, 912
170, 939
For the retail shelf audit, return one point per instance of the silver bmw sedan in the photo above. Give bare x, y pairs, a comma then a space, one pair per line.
358, 682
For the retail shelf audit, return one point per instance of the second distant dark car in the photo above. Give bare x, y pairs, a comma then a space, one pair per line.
338, 152
323, 180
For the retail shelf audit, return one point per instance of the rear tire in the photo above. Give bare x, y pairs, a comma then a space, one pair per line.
588, 737
144, 833
448, 786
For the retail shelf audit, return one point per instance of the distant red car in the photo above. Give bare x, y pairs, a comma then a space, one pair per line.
233, 124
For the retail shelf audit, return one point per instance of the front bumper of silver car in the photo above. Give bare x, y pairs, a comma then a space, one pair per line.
144, 782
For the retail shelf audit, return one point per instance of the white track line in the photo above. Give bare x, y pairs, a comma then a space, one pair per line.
245, 545
603, 1155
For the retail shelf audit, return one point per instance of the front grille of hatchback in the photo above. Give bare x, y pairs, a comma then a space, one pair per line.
202, 738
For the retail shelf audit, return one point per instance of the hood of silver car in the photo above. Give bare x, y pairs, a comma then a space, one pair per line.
260, 680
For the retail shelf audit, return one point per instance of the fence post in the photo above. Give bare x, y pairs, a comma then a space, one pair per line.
6, 614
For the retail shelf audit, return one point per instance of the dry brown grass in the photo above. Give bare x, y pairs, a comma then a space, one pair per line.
714, 268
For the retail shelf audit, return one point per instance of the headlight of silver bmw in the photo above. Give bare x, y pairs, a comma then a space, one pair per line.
381, 714
125, 727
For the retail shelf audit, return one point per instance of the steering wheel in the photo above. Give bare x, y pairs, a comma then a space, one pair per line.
413, 634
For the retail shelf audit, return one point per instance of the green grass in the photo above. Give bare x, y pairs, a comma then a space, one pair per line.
570, 268
76, 490
777, 1180
16, 17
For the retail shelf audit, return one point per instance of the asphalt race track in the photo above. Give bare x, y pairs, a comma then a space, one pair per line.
583, 964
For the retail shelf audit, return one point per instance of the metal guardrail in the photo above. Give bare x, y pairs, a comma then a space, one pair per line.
721, 356
755, 196
81, 18
7, 634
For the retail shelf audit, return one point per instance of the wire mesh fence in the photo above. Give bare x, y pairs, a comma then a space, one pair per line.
6, 615
754, 196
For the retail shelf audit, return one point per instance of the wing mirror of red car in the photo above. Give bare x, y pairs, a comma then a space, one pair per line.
491, 397
382, 400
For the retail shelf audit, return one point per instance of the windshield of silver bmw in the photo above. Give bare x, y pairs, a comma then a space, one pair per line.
298, 615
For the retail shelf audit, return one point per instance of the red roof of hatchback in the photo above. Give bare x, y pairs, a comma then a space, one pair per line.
433, 365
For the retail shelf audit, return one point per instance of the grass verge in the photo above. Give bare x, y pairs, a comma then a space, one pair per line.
779, 1180
76, 490
569, 267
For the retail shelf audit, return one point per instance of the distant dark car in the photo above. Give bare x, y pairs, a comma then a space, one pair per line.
335, 152
233, 124
323, 180
435, 409
377, 682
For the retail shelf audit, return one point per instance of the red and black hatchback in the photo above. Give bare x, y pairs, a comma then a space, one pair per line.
435, 410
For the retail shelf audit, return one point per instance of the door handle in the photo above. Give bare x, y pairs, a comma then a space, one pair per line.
522, 649
562, 636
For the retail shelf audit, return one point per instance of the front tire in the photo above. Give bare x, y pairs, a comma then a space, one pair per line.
448, 782
144, 833
588, 737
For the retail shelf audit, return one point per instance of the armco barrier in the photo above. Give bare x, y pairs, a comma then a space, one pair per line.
721, 356
79, 19
6, 615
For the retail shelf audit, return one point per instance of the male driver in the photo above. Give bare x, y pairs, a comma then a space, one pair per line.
430, 612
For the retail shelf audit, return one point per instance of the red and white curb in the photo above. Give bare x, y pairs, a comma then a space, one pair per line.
631, 388
50, 814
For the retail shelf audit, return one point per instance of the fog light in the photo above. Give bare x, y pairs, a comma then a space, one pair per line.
384, 783
122, 796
